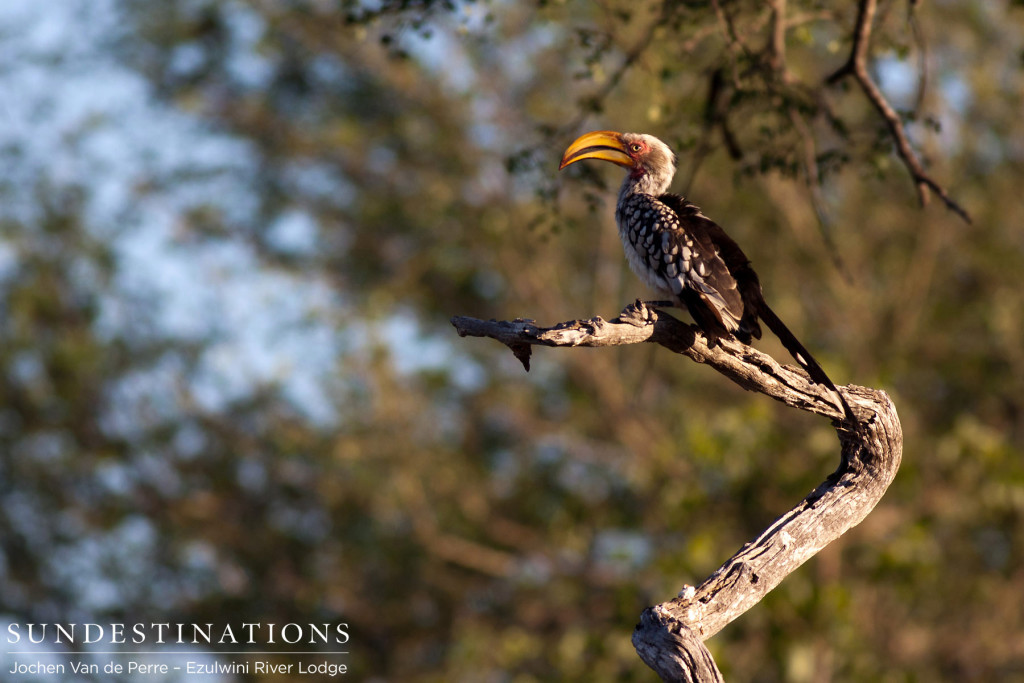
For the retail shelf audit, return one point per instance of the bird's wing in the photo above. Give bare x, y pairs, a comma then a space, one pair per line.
730, 285
743, 285
699, 264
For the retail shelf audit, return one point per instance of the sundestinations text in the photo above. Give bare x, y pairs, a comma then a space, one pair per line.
192, 634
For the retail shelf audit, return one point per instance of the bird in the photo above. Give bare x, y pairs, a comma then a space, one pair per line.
682, 254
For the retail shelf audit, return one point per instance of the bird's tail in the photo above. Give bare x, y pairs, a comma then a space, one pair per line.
800, 353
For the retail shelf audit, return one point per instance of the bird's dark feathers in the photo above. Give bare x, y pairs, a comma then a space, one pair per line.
737, 283
711, 236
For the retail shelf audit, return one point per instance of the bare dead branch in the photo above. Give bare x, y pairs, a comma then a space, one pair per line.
669, 637
857, 67
744, 365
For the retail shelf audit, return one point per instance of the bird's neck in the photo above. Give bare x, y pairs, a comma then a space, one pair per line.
644, 182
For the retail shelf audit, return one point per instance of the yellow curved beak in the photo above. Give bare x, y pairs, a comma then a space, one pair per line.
600, 144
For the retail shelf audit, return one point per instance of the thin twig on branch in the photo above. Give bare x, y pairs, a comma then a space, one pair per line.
857, 67
669, 637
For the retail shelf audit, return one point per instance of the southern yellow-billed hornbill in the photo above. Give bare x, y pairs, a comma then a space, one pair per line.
682, 254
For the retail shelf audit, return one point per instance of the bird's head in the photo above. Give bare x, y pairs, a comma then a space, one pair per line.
650, 162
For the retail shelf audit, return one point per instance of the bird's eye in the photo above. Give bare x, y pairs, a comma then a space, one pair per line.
635, 147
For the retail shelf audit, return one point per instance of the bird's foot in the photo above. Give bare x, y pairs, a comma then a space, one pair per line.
639, 313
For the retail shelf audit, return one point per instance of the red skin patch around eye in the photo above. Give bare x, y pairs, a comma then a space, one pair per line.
638, 168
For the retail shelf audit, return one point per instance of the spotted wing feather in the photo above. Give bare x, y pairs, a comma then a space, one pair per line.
737, 277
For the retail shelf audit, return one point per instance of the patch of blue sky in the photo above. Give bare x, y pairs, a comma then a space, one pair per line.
294, 232
442, 53
157, 472
956, 98
186, 58
27, 368
115, 478
370, 5
284, 341
519, 54
246, 64
102, 570
956, 93
415, 350
900, 81
92, 122
252, 475
153, 266
288, 339
8, 262
328, 70
101, 127
320, 182
146, 398
45, 28
266, 327
898, 78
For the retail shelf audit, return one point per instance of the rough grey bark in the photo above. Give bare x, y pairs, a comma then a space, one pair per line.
669, 637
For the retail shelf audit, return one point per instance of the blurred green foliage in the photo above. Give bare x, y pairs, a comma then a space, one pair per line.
471, 522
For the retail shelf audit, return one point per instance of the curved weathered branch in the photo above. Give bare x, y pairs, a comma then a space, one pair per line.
669, 637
